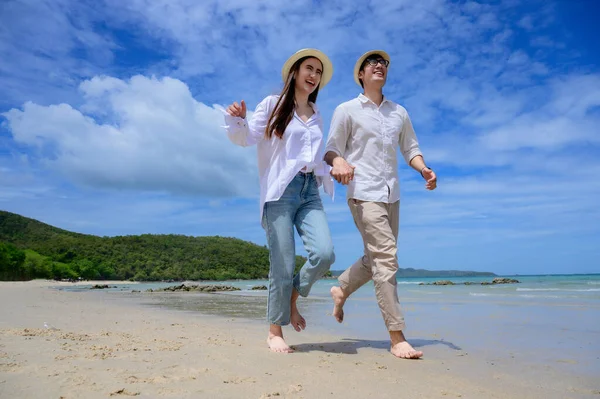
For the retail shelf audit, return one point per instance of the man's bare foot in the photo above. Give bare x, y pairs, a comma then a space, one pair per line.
404, 350
296, 319
338, 303
401, 348
275, 340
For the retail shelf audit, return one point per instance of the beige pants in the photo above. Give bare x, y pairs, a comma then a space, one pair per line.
378, 225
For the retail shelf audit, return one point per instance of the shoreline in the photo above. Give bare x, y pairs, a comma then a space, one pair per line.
106, 343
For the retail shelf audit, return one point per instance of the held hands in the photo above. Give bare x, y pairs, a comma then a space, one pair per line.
238, 110
430, 178
342, 171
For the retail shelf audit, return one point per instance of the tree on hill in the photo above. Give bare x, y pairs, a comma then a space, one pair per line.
12, 260
50, 252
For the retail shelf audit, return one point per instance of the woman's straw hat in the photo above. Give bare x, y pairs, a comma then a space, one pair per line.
309, 52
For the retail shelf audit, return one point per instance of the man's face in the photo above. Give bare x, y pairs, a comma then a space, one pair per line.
374, 71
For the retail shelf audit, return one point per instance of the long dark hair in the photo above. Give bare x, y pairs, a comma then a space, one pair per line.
284, 109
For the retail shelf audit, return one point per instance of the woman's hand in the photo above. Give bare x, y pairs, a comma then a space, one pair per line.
238, 110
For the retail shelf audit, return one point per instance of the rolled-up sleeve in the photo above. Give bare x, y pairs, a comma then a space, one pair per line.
409, 145
339, 131
247, 133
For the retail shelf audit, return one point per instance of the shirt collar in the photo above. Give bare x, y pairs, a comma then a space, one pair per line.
364, 99
313, 105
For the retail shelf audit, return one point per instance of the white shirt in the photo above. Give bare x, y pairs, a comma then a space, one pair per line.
279, 160
368, 137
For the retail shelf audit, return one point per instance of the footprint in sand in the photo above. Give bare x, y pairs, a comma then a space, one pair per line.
238, 380
124, 392
270, 395
9, 367
295, 388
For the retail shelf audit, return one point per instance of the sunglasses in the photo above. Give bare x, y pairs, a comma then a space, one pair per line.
374, 61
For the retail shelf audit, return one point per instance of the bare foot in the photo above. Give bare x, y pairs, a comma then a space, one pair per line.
296, 319
401, 348
404, 350
338, 303
276, 342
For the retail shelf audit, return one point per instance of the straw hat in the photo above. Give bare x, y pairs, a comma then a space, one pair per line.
310, 52
363, 58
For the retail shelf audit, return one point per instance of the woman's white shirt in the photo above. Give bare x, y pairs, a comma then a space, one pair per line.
279, 160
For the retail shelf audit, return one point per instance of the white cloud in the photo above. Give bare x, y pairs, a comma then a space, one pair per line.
508, 128
563, 119
545, 42
489, 110
526, 22
143, 134
235, 48
47, 46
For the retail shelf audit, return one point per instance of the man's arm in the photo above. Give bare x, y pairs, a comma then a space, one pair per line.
418, 164
409, 146
341, 170
330, 156
339, 132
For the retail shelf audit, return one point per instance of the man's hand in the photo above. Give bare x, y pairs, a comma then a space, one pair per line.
430, 178
238, 110
342, 171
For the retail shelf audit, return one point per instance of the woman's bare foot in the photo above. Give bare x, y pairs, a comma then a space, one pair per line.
338, 303
275, 340
401, 348
296, 319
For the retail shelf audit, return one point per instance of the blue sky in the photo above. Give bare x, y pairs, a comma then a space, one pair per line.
110, 122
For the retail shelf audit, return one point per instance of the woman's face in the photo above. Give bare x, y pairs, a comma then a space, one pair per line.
308, 75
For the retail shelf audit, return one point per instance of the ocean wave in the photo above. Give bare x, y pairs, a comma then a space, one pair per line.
593, 282
480, 294
410, 282
426, 292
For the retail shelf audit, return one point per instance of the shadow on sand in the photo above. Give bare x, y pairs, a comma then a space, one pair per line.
350, 346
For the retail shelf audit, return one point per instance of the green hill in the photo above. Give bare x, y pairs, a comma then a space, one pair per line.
31, 249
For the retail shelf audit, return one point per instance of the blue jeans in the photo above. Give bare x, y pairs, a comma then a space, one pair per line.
299, 206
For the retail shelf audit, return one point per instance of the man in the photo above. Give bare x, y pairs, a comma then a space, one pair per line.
362, 149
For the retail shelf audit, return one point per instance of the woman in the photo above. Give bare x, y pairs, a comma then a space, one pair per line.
288, 131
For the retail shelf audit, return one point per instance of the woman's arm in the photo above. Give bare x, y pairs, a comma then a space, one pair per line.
246, 132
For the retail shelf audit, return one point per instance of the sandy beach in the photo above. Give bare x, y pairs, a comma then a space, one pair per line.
101, 345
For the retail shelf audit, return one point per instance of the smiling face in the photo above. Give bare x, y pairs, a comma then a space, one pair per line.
373, 72
308, 75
